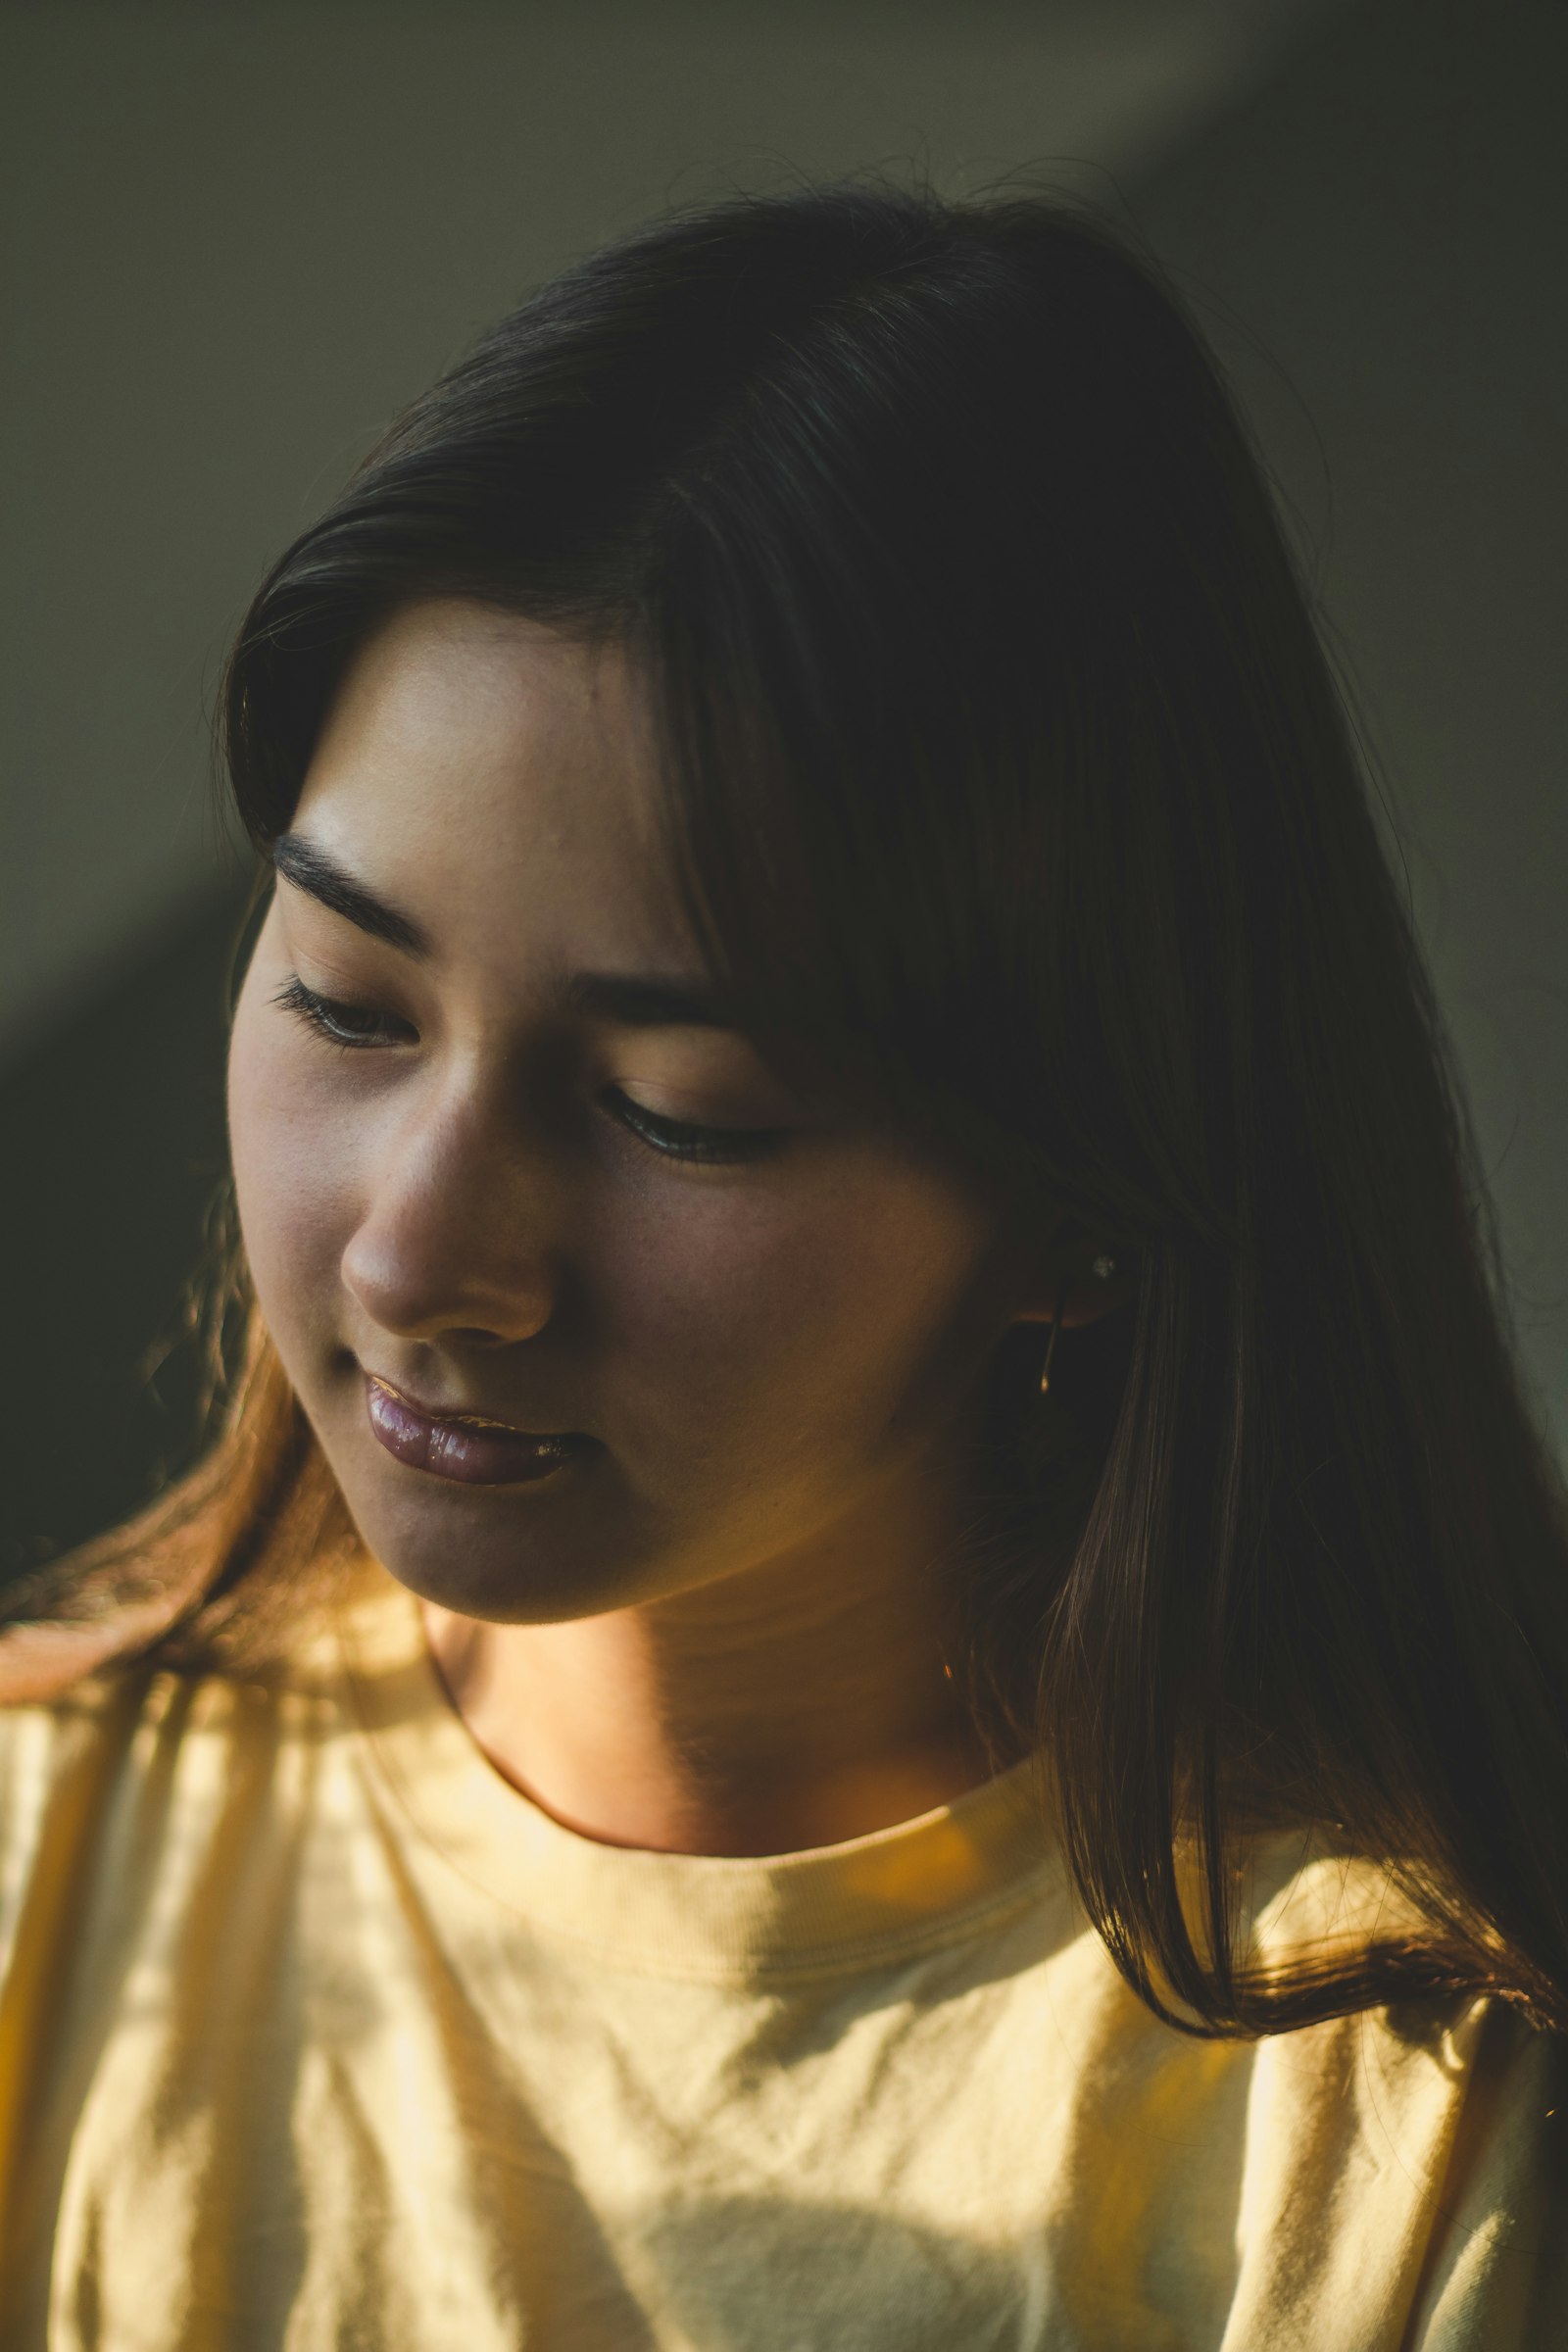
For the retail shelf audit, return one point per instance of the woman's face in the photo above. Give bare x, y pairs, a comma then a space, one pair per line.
492, 1170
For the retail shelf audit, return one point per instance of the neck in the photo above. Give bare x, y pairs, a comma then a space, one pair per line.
791, 1706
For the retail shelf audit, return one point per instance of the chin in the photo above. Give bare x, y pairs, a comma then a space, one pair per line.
503, 1555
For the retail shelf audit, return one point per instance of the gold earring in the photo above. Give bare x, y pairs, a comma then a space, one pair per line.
1051, 1344
1102, 1270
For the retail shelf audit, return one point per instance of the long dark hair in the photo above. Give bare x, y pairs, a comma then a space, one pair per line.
1005, 768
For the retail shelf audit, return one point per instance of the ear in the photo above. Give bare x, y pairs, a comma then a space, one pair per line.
1069, 1285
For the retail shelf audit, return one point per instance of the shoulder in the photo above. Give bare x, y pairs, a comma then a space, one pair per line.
129, 1771
1425, 2140
49, 1745
60, 1759
1495, 2270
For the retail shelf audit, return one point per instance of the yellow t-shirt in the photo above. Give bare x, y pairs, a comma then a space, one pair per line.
316, 2035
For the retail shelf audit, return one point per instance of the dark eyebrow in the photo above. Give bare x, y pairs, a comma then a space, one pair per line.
623, 998
312, 870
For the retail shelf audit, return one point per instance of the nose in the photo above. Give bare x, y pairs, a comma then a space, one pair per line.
459, 1233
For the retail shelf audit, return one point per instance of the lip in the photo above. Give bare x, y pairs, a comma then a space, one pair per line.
466, 1448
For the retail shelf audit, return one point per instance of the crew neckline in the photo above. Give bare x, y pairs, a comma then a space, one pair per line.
916, 1885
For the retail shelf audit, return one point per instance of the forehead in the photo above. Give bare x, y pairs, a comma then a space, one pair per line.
498, 779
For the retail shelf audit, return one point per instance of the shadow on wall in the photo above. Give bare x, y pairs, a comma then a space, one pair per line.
116, 1151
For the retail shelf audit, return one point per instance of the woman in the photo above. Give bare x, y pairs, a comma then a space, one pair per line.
875, 1654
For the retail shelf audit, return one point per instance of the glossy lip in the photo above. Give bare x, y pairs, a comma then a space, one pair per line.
454, 1416
466, 1448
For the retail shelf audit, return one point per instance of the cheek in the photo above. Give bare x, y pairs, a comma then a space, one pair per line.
290, 1179
825, 1318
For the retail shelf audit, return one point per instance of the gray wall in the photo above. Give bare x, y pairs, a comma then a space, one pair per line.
247, 235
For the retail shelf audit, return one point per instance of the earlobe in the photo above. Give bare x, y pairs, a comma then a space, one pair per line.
1074, 1297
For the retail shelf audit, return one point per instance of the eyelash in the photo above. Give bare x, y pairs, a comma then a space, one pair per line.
330, 1019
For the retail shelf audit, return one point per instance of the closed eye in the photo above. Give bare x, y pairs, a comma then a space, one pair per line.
680, 1139
341, 1024
358, 1027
